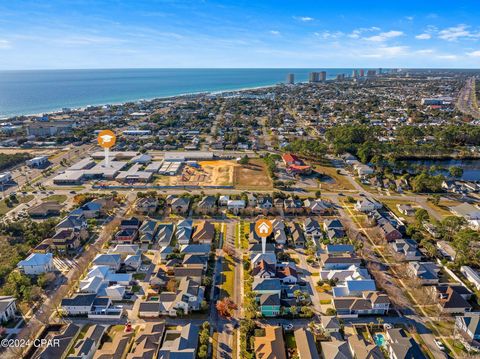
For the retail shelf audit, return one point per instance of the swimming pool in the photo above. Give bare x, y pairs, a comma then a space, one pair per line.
379, 339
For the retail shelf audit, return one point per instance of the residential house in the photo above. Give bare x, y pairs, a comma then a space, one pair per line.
223, 200
329, 324
297, 235
306, 346
467, 328
408, 248
147, 231
75, 223
469, 212
203, 232
37, 263
180, 343
426, 272
266, 286
312, 229
207, 205
85, 348
334, 229
180, 205
184, 231
406, 209
190, 295
279, 234
446, 250
64, 338
66, 240
265, 204
147, 341
195, 261
367, 205
130, 224
8, 307
336, 349
113, 261
329, 261
264, 269
79, 304
452, 299
89, 210
271, 345
146, 205
126, 236
339, 249
369, 303
287, 273
471, 275
401, 346
293, 206
117, 348
318, 207
165, 234
361, 349
235, 206
269, 305
45, 209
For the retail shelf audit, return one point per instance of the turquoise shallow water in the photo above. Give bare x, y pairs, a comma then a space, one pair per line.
37, 91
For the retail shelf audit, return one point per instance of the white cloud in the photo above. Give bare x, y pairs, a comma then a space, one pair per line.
447, 57
474, 53
355, 34
275, 32
328, 34
409, 18
4, 44
423, 36
457, 32
383, 36
304, 18
425, 51
387, 52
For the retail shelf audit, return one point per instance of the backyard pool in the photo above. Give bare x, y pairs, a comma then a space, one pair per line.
379, 339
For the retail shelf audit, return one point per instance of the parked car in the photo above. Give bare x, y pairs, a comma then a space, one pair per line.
439, 344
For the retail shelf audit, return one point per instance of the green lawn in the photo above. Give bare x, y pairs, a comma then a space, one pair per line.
4, 208
59, 198
290, 341
139, 276
228, 277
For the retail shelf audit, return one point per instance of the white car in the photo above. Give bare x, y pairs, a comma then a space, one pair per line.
439, 344
288, 327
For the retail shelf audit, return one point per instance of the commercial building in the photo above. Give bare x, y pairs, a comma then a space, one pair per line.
290, 79
38, 162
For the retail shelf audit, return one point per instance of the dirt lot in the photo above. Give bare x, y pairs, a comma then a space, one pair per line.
254, 175
221, 173
36, 152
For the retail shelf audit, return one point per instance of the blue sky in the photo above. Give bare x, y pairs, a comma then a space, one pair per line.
168, 33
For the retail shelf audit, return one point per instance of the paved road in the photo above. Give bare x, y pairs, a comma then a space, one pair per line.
467, 100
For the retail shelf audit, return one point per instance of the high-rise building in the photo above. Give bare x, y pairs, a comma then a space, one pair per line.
313, 77
290, 79
354, 74
323, 76
362, 72
371, 73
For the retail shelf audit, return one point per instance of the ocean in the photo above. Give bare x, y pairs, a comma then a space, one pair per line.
40, 91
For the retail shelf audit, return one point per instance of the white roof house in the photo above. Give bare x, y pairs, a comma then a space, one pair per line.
37, 263
115, 292
471, 275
